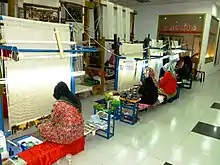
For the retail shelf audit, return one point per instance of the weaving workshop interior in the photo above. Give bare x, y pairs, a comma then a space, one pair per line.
109, 82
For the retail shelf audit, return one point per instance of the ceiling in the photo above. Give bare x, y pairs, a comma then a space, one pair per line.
156, 2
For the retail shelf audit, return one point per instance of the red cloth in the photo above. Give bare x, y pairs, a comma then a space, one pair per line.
66, 124
5, 103
5, 53
112, 59
48, 153
168, 83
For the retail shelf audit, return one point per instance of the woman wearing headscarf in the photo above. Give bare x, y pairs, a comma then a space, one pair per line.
148, 88
185, 66
168, 83
66, 124
163, 70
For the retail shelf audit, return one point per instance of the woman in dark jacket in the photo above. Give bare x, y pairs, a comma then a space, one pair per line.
185, 68
148, 88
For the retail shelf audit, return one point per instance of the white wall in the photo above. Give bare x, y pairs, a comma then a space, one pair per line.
146, 22
209, 67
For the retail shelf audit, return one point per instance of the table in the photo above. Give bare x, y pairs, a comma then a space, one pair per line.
116, 108
109, 131
130, 106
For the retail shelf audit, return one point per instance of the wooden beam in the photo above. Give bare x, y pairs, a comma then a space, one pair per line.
86, 31
89, 5
102, 61
86, 23
132, 17
96, 23
11, 8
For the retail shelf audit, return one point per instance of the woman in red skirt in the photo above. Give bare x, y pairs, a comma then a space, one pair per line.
67, 124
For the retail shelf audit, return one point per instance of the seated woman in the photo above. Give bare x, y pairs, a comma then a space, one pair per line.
148, 88
184, 68
66, 124
168, 83
163, 70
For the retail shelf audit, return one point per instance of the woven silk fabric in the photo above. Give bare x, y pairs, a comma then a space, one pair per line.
31, 81
127, 24
120, 30
110, 15
129, 73
116, 21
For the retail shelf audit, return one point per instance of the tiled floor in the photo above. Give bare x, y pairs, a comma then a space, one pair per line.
216, 105
163, 134
167, 163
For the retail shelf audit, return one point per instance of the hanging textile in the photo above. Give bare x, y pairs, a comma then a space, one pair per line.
156, 65
105, 22
127, 24
115, 21
120, 32
91, 27
110, 12
31, 81
129, 73
124, 25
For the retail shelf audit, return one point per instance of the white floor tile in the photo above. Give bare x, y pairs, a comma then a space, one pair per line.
128, 156
212, 117
151, 161
163, 133
195, 149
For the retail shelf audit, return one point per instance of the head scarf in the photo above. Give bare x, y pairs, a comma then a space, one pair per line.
61, 91
166, 67
151, 74
170, 67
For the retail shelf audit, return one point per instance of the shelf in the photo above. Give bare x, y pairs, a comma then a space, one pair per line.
89, 129
82, 88
93, 68
109, 131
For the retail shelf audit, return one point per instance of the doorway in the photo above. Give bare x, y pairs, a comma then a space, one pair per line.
217, 53
196, 47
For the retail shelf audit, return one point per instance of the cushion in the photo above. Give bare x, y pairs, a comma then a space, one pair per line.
48, 153
145, 106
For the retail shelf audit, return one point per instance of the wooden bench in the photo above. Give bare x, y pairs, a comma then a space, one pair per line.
48, 153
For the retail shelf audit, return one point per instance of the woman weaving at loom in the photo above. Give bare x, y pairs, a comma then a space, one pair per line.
168, 83
67, 124
184, 70
148, 89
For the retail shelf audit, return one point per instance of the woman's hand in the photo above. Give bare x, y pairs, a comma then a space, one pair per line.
140, 83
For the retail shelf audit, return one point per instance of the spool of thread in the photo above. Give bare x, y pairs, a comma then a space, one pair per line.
11, 152
24, 146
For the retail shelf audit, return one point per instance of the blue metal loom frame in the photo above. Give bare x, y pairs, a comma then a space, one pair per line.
16, 49
137, 59
72, 83
132, 118
78, 49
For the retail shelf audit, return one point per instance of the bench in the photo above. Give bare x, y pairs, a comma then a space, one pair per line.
48, 153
